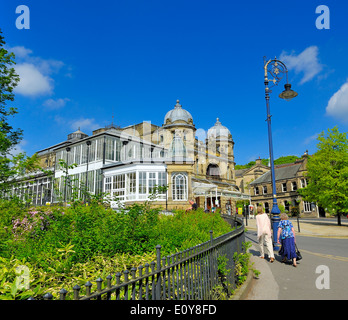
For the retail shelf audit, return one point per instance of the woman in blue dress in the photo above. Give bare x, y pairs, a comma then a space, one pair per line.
286, 234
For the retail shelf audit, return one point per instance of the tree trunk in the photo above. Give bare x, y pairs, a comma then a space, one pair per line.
339, 218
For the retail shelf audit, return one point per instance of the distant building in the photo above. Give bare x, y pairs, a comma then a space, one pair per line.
288, 177
245, 176
127, 163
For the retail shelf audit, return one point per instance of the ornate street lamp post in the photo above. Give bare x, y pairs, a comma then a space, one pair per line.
275, 69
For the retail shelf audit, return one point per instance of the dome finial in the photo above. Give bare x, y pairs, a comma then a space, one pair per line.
178, 105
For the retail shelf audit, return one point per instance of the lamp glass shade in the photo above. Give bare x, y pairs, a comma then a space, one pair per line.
288, 93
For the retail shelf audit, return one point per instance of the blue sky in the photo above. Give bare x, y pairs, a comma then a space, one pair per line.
83, 61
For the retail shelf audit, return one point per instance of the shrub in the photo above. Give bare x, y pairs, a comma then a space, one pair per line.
62, 246
187, 229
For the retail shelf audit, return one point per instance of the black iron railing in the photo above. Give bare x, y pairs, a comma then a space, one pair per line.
191, 274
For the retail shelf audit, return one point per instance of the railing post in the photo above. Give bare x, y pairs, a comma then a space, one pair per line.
133, 274
158, 283
48, 296
108, 279
147, 281
76, 289
99, 285
154, 287
118, 282
88, 286
126, 272
62, 294
140, 268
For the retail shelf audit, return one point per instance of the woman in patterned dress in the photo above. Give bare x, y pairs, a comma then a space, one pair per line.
287, 234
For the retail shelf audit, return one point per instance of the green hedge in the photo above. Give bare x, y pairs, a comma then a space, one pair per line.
61, 245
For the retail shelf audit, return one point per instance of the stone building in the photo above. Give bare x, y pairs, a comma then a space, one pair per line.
245, 176
127, 163
289, 178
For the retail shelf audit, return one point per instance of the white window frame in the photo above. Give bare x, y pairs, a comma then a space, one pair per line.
263, 189
179, 192
292, 185
307, 206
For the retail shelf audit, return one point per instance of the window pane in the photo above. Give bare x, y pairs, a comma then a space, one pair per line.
162, 181
179, 187
100, 147
152, 181
91, 155
110, 148
83, 153
108, 181
90, 186
77, 154
118, 149
142, 182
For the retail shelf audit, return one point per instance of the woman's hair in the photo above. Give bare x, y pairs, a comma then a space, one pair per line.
259, 210
284, 216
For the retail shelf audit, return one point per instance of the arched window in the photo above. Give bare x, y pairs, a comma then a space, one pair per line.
179, 187
213, 170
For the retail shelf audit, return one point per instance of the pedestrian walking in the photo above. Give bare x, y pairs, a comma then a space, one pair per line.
287, 234
264, 234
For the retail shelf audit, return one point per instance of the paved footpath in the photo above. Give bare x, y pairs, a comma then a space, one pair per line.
279, 281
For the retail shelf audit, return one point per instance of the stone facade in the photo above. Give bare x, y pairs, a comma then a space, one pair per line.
127, 162
289, 178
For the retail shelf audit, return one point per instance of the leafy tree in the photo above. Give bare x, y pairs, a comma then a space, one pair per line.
10, 165
286, 159
8, 81
327, 173
281, 160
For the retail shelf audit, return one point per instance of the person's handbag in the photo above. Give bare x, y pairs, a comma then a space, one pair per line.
298, 253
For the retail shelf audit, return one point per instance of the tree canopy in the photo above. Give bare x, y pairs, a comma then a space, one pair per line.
11, 164
280, 160
8, 81
327, 173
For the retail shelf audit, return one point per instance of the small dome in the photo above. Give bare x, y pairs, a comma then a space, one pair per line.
178, 114
78, 134
218, 130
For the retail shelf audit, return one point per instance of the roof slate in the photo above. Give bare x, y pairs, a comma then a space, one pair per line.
281, 173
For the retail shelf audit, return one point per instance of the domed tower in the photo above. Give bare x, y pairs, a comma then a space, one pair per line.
178, 124
220, 143
178, 115
219, 132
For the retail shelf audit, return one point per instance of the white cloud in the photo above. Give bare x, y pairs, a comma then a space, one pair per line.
55, 104
18, 148
308, 140
84, 123
306, 62
34, 72
32, 81
338, 104
20, 51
